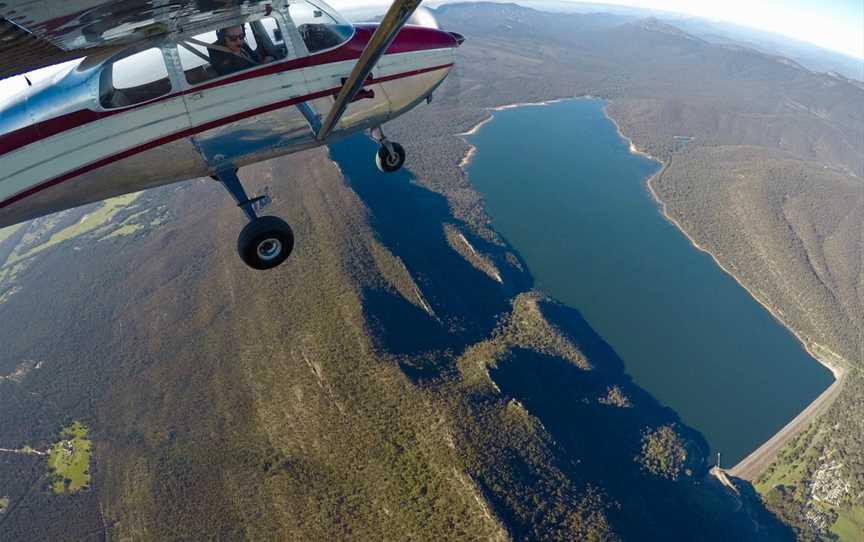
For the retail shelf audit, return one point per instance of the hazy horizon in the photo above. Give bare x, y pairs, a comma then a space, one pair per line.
784, 11
839, 29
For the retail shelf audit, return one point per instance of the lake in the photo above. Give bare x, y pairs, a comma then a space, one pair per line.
563, 189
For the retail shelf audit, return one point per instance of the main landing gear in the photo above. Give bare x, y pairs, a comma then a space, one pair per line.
265, 242
390, 156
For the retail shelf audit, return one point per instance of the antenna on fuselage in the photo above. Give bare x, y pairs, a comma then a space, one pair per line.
29, 84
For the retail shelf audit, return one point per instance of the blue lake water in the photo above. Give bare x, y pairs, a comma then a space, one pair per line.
563, 189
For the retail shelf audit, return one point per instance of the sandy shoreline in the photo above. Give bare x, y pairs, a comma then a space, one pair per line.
770, 447
835, 370
472, 150
634, 150
759, 459
752, 466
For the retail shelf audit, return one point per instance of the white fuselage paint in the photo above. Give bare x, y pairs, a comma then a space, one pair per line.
166, 141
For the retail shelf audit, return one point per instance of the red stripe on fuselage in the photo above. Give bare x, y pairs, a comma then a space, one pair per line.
410, 39
198, 129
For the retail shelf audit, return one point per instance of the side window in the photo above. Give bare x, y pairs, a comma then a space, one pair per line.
282, 46
230, 49
319, 29
134, 79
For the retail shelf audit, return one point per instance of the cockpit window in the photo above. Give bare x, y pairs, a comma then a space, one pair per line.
319, 26
232, 49
134, 79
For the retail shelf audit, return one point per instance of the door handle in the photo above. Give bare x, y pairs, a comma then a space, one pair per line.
196, 96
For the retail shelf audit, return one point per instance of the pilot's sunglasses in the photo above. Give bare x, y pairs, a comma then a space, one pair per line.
235, 37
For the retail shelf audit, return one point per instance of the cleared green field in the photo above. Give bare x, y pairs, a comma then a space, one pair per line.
126, 229
69, 460
791, 466
5, 233
4, 504
850, 524
95, 220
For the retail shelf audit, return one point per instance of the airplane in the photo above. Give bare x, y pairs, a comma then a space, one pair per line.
171, 90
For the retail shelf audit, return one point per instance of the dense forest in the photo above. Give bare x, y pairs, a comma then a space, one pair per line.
385, 385
322, 403
763, 164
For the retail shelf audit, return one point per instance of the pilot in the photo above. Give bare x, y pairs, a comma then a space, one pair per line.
240, 57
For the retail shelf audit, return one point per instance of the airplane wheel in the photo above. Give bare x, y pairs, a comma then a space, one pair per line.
387, 161
265, 242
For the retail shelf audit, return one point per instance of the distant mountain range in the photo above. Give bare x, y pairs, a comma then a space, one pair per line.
810, 56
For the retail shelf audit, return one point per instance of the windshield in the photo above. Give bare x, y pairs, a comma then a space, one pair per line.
320, 27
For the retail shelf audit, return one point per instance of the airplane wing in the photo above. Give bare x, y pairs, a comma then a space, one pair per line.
39, 33
22, 51
400, 11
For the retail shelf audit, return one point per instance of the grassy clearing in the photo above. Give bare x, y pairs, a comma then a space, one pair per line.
4, 504
6, 233
126, 229
850, 524
95, 220
790, 468
10, 273
69, 460
38, 229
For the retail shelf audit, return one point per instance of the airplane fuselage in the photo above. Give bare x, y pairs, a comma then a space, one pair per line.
60, 147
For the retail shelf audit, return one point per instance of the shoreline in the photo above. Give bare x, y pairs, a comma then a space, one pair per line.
636, 151
778, 440
764, 455
472, 150
810, 413
837, 371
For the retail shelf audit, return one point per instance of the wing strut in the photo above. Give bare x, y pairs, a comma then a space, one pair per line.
393, 21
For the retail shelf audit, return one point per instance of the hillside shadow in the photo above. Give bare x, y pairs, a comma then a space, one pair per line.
401, 327
408, 220
598, 443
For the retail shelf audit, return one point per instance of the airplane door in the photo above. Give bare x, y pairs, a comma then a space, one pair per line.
109, 146
240, 100
321, 30
147, 116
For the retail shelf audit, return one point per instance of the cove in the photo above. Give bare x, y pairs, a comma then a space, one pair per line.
564, 190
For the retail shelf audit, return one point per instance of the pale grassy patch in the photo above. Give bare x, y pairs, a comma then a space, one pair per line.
93, 221
69, 459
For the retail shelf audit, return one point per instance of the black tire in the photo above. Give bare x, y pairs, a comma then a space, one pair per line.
265, 242
389, 162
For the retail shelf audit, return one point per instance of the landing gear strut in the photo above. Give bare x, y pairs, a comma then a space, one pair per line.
265, 242
390, 156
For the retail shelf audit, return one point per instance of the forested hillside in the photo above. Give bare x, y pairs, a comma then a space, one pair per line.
381, 386
321, 401
764, 170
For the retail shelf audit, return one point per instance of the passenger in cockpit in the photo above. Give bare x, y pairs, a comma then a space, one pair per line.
238, 56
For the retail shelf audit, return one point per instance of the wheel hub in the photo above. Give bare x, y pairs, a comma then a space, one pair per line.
269, 249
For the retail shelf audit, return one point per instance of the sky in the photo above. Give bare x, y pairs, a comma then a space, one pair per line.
837, 25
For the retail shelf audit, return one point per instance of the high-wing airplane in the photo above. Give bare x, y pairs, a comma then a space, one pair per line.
170, 90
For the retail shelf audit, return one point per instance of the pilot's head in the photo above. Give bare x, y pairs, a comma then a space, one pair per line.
234, 37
